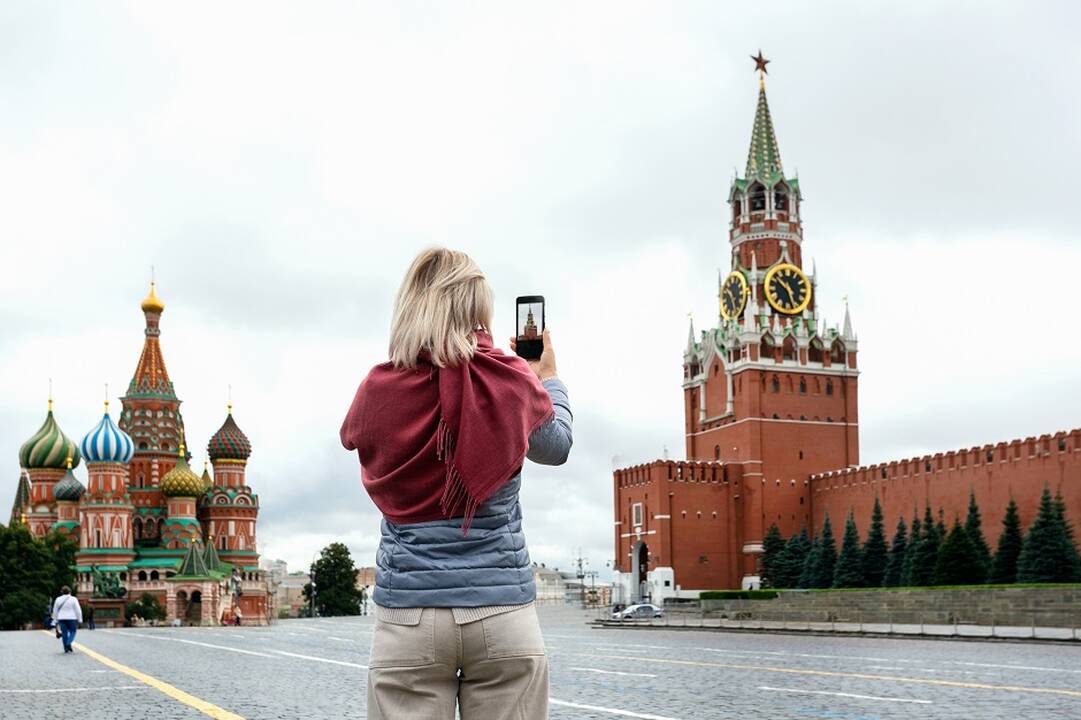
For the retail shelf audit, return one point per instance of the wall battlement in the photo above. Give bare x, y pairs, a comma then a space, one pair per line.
987, 455
675, 470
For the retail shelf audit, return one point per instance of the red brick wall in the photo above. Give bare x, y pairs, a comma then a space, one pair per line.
1017, 469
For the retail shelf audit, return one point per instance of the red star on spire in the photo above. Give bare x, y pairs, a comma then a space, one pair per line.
760, 62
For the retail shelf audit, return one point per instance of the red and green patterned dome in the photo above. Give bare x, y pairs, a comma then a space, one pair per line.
49, 447
229, 442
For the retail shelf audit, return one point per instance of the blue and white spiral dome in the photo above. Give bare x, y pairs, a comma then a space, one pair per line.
107, 443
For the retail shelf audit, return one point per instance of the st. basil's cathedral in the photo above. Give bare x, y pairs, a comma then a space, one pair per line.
145, 522
771, 421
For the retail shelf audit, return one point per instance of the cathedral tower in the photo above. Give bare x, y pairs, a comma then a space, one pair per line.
771, 387
230, 508
45, 457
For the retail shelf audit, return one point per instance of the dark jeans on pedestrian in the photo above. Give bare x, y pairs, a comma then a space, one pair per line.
67, 633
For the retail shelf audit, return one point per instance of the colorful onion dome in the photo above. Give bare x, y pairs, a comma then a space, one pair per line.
49, 447
229, 442
69, 487
151, 303
107, 443
181, 481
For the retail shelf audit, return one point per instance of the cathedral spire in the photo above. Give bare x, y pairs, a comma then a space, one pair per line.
690, 334
151, 378
764, 156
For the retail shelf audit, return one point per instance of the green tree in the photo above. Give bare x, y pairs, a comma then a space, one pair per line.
974, 528
772, 547
789, 564
335, 579
147, 607
27, 571
910, 551
891, 577
809, 573
1045, 555
1073, 559
875, 552
848, 572
958, 560
1010, 542
923, 564
62, 551
827, 556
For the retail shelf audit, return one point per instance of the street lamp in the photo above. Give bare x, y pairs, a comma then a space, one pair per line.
311, 582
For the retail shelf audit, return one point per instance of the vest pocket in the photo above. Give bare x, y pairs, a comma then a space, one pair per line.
404, 640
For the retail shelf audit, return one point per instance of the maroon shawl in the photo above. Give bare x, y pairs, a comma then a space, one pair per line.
435, 443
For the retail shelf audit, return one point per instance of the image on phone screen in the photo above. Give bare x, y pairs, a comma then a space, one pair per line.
530, 312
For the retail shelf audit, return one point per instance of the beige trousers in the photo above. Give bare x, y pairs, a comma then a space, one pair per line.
493, 669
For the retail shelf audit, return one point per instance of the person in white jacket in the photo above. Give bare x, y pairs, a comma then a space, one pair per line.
68, 615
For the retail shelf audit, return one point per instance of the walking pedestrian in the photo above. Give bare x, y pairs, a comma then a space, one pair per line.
90, 618
442, 431
364, 600
68, 615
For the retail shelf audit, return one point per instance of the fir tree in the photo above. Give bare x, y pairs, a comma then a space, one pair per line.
848, 572
1004, 566
958, 560
1073, 559
923, 564
809, 573
910, 551
827, 556
335, 580
789, 565
772, 547
895, 564
1046, 552
875, 554
974, 528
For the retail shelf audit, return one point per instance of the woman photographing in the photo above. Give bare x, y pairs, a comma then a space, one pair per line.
442, 430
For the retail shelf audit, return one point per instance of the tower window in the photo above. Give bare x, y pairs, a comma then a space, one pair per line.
775, 385
758, 198
780, 199
800, 454
716, 452
829, 387
802, 386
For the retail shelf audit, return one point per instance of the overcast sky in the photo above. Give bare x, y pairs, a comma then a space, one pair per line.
281, 164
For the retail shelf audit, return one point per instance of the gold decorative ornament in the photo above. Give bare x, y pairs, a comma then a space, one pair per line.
787, 289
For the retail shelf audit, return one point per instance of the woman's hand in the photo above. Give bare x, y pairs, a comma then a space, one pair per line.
544, 367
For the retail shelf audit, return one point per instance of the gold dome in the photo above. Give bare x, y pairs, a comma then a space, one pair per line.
152, 303
181, 481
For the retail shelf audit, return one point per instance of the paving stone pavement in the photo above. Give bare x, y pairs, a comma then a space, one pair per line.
313, 668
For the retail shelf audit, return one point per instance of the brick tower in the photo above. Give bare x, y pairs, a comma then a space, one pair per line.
230, 507
771, 387
151, 416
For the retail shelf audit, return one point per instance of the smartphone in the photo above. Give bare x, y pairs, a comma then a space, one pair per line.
529, 309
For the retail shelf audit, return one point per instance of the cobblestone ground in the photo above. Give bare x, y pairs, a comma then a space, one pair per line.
315, 669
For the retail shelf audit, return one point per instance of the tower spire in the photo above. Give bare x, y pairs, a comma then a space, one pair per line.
764, 156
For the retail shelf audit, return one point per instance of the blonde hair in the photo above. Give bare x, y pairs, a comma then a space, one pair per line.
443, 299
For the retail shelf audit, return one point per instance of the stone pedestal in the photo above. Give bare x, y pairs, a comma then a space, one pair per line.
108, 612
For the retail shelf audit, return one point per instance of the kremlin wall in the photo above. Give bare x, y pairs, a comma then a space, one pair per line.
772, 423
145, 522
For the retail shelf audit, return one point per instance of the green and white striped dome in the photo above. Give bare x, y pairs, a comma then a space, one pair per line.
49, 447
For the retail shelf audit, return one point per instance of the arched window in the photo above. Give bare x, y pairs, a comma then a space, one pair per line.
143, 446
829, 387
791, 352
780, 199
142, 576
775, 385
815, 352
766, 349
802, 386
716, 452
737, 207
137, 529
837, 353
758, 198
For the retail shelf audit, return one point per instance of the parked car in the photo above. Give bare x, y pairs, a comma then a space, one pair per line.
642, 610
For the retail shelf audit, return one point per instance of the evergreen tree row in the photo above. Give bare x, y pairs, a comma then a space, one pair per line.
926, 552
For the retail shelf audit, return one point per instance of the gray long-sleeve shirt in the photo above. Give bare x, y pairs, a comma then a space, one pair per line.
432, 564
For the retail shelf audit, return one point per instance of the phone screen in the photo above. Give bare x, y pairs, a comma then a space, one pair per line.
530, 315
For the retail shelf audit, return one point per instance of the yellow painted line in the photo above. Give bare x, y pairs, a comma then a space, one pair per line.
174, 692
858, 676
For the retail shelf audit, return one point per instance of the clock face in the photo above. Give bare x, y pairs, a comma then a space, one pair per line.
733, 295
787, 289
